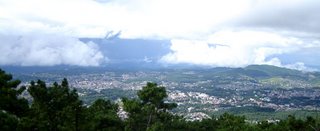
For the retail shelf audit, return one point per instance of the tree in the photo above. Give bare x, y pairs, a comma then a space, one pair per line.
103, 116
154, 95
231, 122
12, 107
149, 112
136, 120
9, 92
54, 108
8, 122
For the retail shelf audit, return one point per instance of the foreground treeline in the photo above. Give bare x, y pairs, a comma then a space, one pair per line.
57, 107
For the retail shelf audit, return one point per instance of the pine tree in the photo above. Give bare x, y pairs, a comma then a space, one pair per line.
150, 111
12, 107
54, 108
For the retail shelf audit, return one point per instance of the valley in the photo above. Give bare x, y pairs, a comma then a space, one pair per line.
268, 92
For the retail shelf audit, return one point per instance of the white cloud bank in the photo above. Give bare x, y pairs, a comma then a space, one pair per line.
205, 32
236, 49
162, 19
47, 50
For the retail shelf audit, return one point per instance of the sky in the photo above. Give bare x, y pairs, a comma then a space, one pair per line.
228, 33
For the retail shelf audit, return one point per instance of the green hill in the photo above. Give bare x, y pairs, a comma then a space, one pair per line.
274, 70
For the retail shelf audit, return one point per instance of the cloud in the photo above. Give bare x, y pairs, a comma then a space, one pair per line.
47, 50
205, 32
162, 19
299, 66
234, 49
147, 60
291, 15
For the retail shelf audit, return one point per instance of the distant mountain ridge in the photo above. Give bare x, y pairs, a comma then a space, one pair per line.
251, 70
260, 71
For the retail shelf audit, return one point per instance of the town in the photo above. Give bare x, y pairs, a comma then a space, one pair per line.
198, 94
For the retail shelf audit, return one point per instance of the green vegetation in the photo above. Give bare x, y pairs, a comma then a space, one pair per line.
258, 114
53, 108
150, 111
57, 107
273, 70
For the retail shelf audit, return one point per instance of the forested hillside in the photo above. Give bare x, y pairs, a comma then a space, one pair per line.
58, 107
